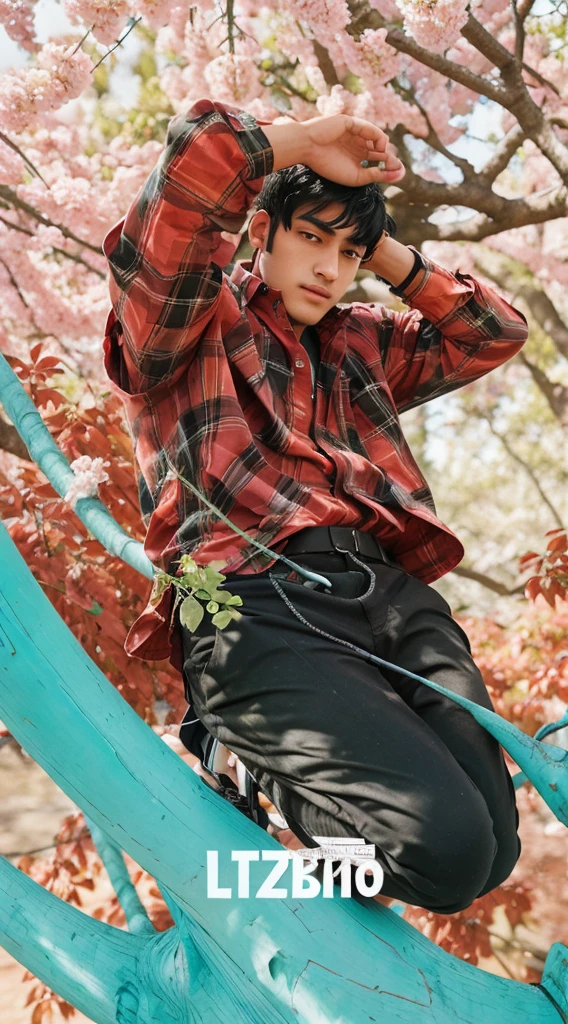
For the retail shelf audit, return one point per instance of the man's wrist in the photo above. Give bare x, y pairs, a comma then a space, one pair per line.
392, 261
289, 143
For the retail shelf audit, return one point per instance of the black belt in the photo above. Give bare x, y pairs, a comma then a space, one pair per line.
323, 539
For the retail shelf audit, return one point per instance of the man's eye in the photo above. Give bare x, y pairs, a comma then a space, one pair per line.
308, 234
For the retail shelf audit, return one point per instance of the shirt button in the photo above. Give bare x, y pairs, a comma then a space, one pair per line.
299, 362
263, 289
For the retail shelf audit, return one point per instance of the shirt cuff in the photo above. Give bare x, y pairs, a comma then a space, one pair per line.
251, 138
400, 288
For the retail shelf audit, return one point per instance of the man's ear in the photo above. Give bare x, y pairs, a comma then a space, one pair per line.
258, 229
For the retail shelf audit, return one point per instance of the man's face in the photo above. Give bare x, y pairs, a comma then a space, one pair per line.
306, 256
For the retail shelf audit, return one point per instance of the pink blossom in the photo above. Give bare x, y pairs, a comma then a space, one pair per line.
289, 40
262, 108
383, 106
170, 37
17, 17
315, 77
387, 8
59, 75
177, 87
370, 58
326, 18
107, 17
435, 24
11, 166
339, 97
89, 473
487, 8
156, 12
233, 79
468, 56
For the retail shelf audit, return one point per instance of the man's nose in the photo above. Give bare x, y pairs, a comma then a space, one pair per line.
328, 266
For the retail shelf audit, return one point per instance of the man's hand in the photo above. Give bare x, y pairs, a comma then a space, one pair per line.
334, 147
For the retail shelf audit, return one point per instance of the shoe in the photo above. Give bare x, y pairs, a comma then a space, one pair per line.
243, 796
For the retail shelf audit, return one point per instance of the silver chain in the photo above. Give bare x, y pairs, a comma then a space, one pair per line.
322, 632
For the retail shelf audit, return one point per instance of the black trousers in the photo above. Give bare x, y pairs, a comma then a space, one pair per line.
344, 748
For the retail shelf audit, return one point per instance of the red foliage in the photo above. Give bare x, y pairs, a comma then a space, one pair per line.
96, 594
551, 580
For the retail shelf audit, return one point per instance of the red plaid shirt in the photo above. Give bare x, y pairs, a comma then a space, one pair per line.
210, 371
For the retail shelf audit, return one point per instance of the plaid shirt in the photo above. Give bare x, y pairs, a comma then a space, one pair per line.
211, 373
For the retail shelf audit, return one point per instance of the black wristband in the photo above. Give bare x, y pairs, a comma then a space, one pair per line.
400, 288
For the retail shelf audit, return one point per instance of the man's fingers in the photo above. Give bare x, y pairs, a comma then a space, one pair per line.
367, 130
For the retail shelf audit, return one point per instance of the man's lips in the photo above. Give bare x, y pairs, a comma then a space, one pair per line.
318, 294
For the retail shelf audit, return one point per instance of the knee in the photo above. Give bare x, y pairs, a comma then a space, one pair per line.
508, 853
459, 864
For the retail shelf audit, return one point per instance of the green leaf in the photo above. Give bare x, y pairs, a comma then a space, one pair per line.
212, 578
161, 582
235, 614
190, 579
221, 596
187, 563
203, 594
216, 566
191, 613
221, 619
235, 599
212, 607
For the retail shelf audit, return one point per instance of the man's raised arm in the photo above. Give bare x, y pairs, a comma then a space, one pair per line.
456, 330
166, 256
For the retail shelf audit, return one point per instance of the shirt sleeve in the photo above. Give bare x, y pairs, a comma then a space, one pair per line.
166, 256
456, 330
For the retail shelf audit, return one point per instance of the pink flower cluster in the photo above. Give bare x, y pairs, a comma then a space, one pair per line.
59, 75
11, 166
17, 17
382, 106
370, 58
157, 12
326, 18
106, 16
89, 473
233, 79
435, 24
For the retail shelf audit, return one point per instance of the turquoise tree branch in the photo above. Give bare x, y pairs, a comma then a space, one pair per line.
111, 856
52, 462
84, 960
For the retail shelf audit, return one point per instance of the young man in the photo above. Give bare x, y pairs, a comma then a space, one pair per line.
282, 408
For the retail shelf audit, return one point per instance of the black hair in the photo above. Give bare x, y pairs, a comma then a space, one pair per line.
285, 190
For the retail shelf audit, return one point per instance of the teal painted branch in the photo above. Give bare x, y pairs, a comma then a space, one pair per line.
135, 912
53, 463
108, 974
279, 961
85, 960
545, 765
